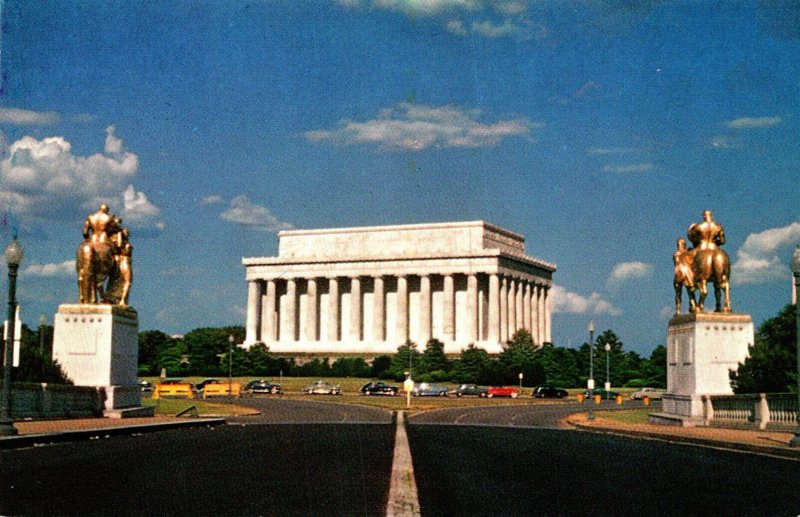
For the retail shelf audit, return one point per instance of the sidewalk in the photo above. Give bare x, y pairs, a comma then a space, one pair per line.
32, 432
765, 442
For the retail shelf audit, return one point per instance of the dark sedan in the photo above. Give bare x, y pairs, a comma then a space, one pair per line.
262, 386
378, 388
470, 389
549, 392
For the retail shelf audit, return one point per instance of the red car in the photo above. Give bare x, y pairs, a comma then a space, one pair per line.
501, 391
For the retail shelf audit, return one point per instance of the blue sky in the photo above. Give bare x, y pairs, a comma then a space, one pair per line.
600, 130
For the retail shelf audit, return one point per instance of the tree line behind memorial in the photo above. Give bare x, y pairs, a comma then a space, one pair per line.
771, 366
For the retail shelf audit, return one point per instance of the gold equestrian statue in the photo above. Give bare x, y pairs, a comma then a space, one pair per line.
103, 260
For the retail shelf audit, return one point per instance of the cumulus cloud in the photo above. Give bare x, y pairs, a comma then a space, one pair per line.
211, 200
758, 260
753, 122
27, 117
66, 268
43, 179
635, 167
414, 127
572, 303
625, 271
489, 19
244, 212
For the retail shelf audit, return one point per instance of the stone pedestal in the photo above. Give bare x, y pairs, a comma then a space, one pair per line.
98, 345
701, 351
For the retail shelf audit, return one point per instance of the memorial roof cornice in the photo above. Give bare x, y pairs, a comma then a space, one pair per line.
420, 226
276, 261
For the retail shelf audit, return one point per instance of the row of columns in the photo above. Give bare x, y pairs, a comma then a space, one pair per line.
513, 303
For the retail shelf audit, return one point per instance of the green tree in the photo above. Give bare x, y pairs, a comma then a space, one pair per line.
559, 365
150, 343
434, 359
380, 366
205, 346
518, 357
350, 367
476, 365
261, 361
35, 361
400, 362
771, 365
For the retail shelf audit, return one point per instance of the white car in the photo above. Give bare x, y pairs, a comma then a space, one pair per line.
323, 388
651, 393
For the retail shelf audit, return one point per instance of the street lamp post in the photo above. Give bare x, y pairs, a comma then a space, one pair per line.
42, 323
795, 441
14, 256
230, 366
590, 382
608, 379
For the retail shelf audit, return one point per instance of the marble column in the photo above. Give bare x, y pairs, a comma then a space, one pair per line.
512, 307
503, 309
355, 308
333, 309
535, 312
494, 308
291, 310
548, 314
425, 309
402, 309
526, 307
268, 319
448, 309
542, 300
379, 310
472, 307
519, 319
311, 314
253, 311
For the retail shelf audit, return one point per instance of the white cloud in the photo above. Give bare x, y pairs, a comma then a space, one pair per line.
457, 27
43, 179
211, 200
610, 150
758, 260
66, 268
629, 270
492, 30
572, 303
426, 7
27, 117
414, 127
753, 122
636, 167
243, 212
723, 142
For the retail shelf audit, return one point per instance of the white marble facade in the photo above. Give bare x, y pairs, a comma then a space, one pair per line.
368, 290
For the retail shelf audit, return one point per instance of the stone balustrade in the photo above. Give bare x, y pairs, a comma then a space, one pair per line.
43, 400
757, 410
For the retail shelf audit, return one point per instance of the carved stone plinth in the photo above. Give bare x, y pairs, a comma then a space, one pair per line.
701, 351
98, 345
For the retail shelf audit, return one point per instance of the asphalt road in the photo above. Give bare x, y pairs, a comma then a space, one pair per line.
312, 469
466, 470
286, 411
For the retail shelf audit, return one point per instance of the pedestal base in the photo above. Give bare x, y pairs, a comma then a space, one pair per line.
702, 349
98, 345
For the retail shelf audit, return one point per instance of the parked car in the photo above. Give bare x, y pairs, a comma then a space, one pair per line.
202, 384
262, 386
146, 386
322, 388
172, 381
470, 389
651, 393
426, 389
607, 395
378, 388
502, 391
549, 392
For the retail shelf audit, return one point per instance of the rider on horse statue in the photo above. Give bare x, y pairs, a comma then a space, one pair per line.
104, 254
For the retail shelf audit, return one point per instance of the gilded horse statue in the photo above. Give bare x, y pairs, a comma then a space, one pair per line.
709, 263
103, 260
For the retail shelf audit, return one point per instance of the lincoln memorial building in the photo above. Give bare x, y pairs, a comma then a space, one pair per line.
369, 290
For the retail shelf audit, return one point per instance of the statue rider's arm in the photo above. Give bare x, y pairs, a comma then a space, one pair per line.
87, 226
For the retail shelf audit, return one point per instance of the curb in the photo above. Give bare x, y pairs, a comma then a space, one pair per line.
793, 454
30, 440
